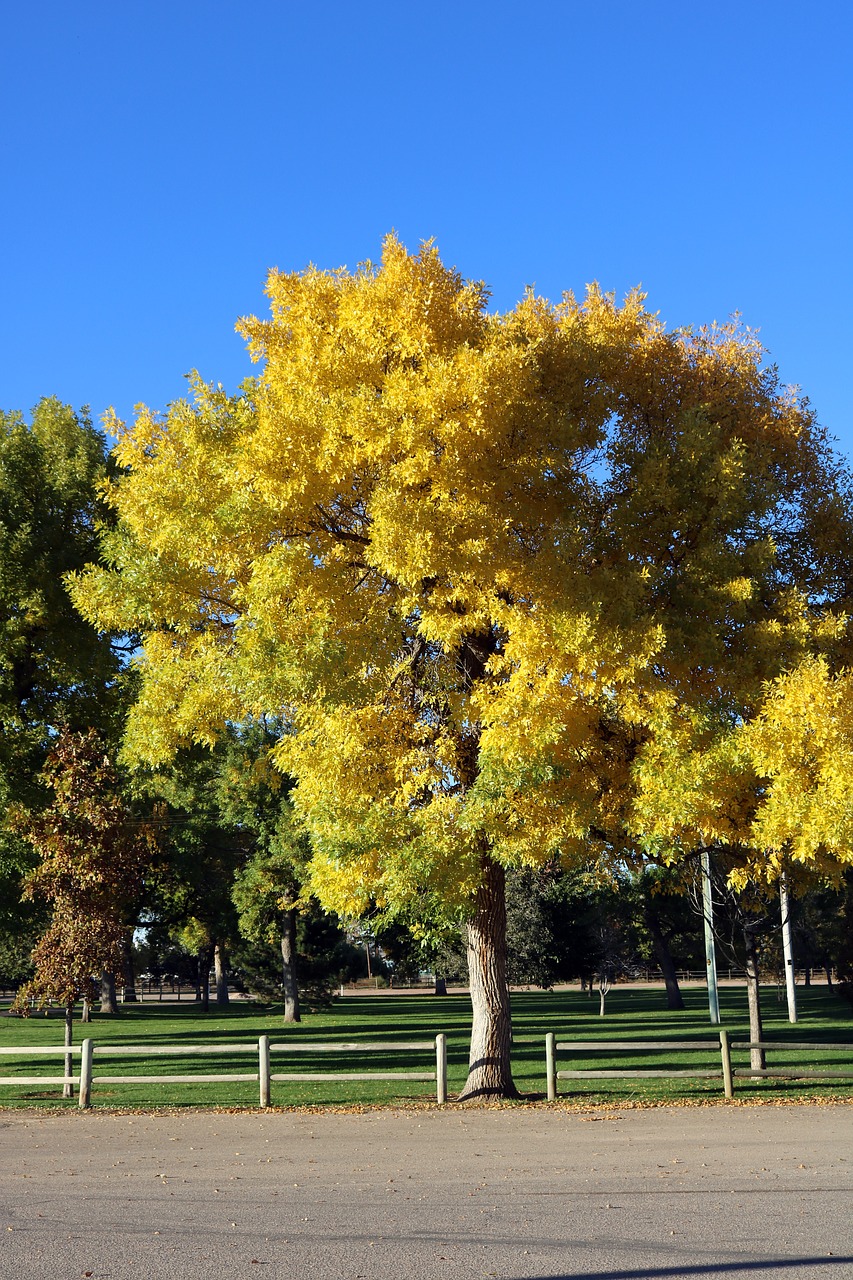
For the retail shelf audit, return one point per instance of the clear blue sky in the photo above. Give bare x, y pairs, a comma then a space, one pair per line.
159, 156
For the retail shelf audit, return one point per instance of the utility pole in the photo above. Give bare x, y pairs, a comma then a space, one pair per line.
787, 947
710, 948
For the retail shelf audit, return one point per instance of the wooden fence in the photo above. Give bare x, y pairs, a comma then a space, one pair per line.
796, 1072
263, 1050
724, 1046
721, 1046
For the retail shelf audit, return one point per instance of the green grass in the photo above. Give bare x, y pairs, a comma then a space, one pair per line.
632, 1014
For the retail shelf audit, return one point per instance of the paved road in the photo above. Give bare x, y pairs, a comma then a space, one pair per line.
718, 1192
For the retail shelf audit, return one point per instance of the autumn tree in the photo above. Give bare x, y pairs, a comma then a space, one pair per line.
474, 559
91, 852
763, 781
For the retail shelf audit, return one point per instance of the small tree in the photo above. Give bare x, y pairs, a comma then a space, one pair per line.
91, 851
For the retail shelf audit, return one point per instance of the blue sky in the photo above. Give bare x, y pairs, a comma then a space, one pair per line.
159, 156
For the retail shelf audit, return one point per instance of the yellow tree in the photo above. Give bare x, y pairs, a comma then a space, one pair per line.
471, 557
801, 747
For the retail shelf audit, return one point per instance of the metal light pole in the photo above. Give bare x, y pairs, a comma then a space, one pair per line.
710, 949
787, 947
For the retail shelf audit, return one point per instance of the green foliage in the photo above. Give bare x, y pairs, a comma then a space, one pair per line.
188, 892
55, 669
325, 958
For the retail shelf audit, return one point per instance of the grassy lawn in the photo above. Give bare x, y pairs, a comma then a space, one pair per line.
632, 1014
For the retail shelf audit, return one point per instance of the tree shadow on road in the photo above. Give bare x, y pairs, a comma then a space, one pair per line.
710, 1269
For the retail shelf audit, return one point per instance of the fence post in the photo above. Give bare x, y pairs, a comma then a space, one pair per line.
726, 1055
551, 1065
86, 1074
264, 1069
441, 1068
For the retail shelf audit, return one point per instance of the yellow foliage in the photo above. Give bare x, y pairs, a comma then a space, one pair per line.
801, 743
481, 563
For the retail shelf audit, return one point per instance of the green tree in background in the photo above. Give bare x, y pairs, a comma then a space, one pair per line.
55, 668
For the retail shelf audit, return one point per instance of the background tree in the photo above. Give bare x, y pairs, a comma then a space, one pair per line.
203, 849
91, 851
55, 668
267, 890
823, 927
477, 559
266, 894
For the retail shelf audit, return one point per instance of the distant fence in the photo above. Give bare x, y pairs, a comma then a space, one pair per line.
725, 1072
264, 1076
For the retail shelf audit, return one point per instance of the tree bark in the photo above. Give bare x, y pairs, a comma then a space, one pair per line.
663, 955
289, 982
205, 956
440, 988
86, 1015
489, 1069
753, 995
220, 969
109, 1000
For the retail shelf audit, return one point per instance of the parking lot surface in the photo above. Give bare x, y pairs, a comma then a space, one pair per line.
612, 1194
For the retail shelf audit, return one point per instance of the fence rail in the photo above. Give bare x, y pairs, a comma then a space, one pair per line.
794, 1073
262, 1049
724, 1046
721, 1046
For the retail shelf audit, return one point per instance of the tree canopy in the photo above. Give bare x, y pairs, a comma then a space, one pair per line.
482, 564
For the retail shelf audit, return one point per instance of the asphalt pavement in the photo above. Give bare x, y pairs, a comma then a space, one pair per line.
720, 1191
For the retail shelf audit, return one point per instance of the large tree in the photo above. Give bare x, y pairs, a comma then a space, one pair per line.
472, 559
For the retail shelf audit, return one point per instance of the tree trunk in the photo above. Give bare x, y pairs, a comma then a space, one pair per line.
69, 1060
220, 969
128, 975
289, 982
602, 996
489, 1069
205, 956
756, 1031
663, 955
86, 1015
440, 988
109, 1001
